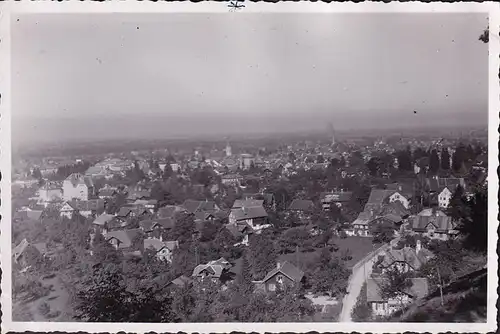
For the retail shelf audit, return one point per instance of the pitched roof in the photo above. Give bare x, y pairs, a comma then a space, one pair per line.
103, 219
418, 289
181, 281
301, 205
125, 237
77, 178
192, 206
431, 212
442, 224
124, 211
19, 249
378, 196
435, 184
247, 203
364, 218
396, 208
34, 214
215, 268
408, 255
393, 218
166, 223
90, 205
249, 213
287, 269
157, 244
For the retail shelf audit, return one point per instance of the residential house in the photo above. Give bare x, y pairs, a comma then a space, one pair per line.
404, 260
102, 222
163, 249
337, 198
179, 283
84, 208
193, 206
402, 192
135, 194
255, 217
303, 207
150, 204
396, 208
29, 214
26, 254
285, 274
239, 203
435, 226
240, 232
360, 225
127, 212
155, 227
50, 193
77, 186
435, 184
107, 192
444, 196
231, 179
217, 270
127, 240
386, 306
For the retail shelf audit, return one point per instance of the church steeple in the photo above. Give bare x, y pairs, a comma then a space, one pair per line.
228, 149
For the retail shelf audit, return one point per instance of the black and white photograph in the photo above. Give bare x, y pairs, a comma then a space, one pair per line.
249, 166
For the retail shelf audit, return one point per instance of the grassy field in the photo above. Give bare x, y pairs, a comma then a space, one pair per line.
57, 301
358, 247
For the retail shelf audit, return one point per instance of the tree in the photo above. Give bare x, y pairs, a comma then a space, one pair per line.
184, 228
361, 311
473, 226
320, 159
404, 160
331, 276
382, 231
434, 162
457, 208
458, 158
262, 255
105, 297
445, 159
244, 277
36, 173
395, 284
374, 165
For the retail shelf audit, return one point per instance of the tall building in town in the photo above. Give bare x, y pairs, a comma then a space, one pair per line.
228, 149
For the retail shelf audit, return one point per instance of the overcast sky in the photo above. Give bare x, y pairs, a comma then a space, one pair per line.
160, 75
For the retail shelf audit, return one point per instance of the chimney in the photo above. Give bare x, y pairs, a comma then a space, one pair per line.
418, 247
278, 265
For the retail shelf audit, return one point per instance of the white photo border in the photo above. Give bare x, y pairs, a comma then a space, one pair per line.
10, 10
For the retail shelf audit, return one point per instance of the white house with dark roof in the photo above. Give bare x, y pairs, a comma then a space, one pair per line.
163, 249
77, 186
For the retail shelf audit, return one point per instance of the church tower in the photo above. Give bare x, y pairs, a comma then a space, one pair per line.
332, 133
228, 149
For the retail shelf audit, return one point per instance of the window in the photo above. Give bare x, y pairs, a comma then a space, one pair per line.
271, 287
279, 279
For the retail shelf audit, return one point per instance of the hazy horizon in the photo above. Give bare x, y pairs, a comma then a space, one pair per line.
108, 76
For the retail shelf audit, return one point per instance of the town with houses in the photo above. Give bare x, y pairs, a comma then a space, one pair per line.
326, 228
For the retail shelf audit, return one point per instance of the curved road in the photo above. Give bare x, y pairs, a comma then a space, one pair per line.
361, 270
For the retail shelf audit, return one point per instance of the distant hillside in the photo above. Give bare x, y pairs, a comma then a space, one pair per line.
464, 301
